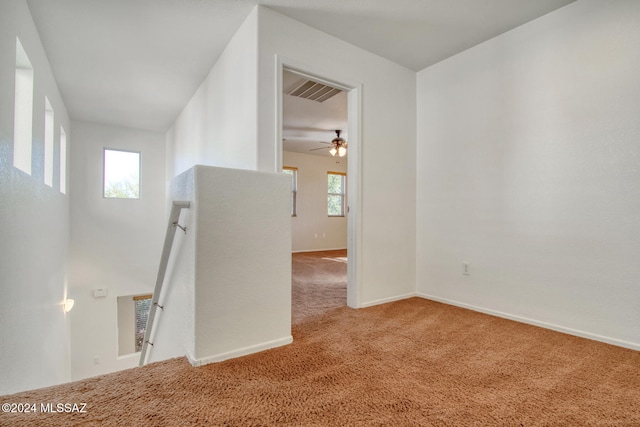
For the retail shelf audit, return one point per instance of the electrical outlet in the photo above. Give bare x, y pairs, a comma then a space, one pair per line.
96, 360
466, 268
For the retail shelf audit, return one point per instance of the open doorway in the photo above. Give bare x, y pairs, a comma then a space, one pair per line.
315, 153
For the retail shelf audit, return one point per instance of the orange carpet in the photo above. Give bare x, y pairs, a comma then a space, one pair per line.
407, 363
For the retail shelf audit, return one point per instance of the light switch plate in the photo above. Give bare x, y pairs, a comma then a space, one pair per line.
100, 293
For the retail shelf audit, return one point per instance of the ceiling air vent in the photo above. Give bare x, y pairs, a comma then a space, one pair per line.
313, 90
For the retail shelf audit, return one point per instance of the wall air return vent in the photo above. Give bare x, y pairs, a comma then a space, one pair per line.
309, 89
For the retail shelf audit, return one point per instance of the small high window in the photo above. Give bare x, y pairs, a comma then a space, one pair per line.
23, 111
63, 161
121, 174
336, 193
293, 172
48, 142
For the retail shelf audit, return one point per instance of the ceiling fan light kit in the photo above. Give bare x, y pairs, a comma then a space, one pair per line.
339, 145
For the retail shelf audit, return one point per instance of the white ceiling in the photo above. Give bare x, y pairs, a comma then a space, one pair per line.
310, 125
136, 63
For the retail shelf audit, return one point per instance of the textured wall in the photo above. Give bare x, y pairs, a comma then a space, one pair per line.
528, 169
385, 219
115, 243
218, 125
243, 262
34, 225
229, 289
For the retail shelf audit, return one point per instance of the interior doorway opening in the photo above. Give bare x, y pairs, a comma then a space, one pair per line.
318, 146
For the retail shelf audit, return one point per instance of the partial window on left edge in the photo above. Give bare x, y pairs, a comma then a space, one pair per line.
121, 174
293, 173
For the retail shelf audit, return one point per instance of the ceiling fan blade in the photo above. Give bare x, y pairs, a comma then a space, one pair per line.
321, 148
301, 140
295, 137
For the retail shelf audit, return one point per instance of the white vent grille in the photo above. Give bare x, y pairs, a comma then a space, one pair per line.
315, 91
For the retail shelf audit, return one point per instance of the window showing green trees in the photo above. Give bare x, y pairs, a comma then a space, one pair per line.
121, 174
336, 193
142, 307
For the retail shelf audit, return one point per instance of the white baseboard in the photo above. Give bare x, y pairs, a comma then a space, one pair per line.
386, 300
319, 250
240, 352
546, 325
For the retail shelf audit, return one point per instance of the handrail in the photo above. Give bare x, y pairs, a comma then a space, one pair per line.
176, 208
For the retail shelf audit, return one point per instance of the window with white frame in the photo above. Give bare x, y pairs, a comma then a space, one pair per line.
336, 193
23, 111
63, 161
121, 174
48, 142
293, 172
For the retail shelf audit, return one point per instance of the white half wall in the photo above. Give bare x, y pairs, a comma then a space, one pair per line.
230, 290
387, 137
528, 161
34, 224
218, 125
243, 262
312, 229
115, 243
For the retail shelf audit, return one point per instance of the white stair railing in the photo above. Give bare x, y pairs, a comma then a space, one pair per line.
176, 208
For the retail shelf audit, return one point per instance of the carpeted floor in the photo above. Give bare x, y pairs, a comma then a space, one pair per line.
319, 284
408, 363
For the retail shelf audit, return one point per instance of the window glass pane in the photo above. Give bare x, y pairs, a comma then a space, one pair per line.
121, 174
48, 142
63, 161
335, 205
23, 111
335, 183
293, 173
335, 193
142, 314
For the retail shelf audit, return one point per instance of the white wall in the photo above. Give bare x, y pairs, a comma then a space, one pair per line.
528, 160
312, 229
34, 225
243, 263
126, 320
115, 243
218, 125
386, 258
230, 290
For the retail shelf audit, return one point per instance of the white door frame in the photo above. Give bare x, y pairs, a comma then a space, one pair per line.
354, 168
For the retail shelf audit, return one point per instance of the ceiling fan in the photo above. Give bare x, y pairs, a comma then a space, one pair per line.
338, 145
